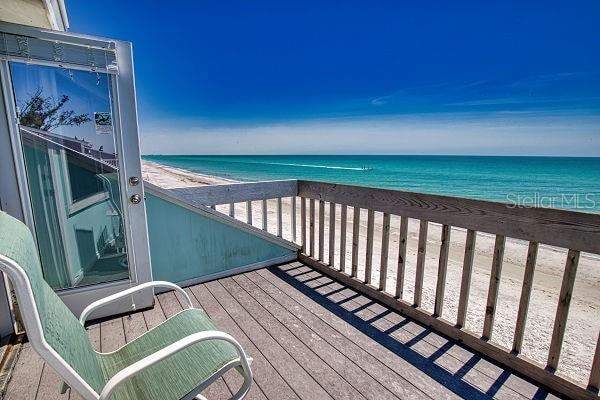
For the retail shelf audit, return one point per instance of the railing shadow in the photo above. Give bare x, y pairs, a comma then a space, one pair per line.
390, 329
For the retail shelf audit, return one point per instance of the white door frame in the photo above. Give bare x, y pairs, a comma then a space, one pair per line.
127, 144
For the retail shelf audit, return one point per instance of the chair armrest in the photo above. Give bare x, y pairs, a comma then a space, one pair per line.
148, 361
128, 292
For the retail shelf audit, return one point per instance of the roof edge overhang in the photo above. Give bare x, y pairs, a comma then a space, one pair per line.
57, 14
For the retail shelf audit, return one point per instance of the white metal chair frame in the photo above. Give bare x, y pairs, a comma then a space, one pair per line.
33, 326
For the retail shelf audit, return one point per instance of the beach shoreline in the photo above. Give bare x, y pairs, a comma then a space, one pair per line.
584, 318
170, 177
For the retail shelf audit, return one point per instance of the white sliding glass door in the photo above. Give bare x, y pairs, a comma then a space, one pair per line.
76, 152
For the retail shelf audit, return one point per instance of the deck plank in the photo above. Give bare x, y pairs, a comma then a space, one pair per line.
183, 302
26, 376
112, 335
93, 332
170, 305
73, 395
317, 341
298, 379
135, 326
324, 374
154, 316
266, 378
385, 375
50, 386
407, 364
232, 378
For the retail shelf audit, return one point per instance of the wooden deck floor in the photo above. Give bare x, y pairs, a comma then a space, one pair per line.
311, 338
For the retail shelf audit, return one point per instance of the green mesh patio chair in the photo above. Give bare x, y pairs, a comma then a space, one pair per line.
175, 360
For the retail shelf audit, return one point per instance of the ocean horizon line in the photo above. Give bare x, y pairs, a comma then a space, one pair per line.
367, 155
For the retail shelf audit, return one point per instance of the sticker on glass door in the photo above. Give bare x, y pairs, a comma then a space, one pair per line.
103, 122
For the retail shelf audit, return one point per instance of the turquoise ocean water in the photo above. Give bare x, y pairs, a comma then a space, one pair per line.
560, 182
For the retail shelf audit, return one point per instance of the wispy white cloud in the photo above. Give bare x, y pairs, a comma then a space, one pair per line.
421, 91
497, 92
383, 100
380, 101
544, 79
523, 100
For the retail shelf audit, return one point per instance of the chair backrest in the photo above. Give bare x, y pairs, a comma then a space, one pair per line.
60, 328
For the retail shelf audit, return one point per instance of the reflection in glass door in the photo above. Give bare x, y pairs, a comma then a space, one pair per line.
71, 160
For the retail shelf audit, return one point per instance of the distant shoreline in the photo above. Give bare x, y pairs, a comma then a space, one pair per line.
169, 177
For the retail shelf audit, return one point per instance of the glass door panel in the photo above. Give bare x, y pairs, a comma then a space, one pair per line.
71, 156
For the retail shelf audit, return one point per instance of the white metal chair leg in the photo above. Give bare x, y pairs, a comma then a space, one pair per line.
243, 391
240, 369
245, 386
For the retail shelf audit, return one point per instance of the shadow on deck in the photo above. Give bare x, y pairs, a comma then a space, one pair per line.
311, 338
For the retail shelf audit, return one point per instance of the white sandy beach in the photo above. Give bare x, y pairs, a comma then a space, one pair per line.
584, 318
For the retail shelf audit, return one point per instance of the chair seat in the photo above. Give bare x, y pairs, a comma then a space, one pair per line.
176, 376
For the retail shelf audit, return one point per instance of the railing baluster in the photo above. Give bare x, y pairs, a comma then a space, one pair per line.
562, 311
265, 224
421, 251
401, 256
355, 237
385, 246
293, 217
279, 218
331, 233
312, 227
303, 223
249, 212
369, 252
495, 274
594, 382
232, 210
525, 296
465, 283
442, 269
344, 217
321, 229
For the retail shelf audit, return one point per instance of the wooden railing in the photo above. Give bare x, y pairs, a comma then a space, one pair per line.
264, 205
113, 162
319, 204
577, 232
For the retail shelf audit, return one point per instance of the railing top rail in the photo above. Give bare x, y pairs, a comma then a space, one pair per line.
239, 192
562, 228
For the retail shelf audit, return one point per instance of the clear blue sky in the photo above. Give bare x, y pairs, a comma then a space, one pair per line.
442, 77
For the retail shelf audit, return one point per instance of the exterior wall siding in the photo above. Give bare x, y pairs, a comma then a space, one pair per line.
186, 245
